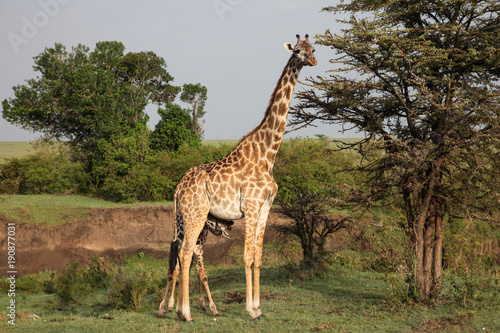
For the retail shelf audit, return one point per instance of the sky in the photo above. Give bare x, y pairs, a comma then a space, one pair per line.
233, 47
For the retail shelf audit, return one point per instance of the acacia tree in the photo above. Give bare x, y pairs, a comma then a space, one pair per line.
196, 96
420, 79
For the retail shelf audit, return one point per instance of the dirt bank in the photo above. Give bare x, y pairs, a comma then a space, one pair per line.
110, 232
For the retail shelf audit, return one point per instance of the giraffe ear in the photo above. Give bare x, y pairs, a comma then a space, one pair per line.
289, 47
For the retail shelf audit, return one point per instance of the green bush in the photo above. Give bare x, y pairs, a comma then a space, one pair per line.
48, 170
124, 169
309, 165
128, 290
176, 164
75, 282
144, 182
463, 251
71, 285
310, 178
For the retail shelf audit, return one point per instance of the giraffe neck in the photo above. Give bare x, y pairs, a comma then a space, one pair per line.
269, 134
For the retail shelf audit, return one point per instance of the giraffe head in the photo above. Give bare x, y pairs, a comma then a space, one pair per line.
303, 51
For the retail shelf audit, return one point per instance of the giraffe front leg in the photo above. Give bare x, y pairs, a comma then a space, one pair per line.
259, 242
199, 262
249, 260
253, 259
211, 302
203, 278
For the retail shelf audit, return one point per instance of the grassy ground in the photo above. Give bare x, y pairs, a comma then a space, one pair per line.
218, 143
56, 209
9, 149
340, 299
343, 297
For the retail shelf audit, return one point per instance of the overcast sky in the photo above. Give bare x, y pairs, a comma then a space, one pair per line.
233, 47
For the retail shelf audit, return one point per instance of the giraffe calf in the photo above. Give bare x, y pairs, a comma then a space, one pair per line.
215, 226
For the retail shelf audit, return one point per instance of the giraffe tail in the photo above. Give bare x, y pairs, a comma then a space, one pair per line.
177, 214
175, 247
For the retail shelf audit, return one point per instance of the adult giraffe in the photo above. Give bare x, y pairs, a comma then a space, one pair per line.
240, 185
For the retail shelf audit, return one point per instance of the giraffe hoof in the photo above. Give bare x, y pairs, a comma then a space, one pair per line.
181, 317
257, 318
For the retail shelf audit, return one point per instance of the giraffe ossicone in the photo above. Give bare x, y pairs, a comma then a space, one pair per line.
239, 185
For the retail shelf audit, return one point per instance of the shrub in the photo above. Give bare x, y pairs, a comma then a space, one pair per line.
75, 282
130, 171
125, 169
122, 169
48, 170
143, 182
310, 180
175, 165
128, 291
462, 248
70, 285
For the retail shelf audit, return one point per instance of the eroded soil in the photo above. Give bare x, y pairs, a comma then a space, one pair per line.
109, 232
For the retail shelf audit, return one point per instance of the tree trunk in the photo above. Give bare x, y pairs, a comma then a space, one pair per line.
428, 259
438, 247
419, 252
429, 250
424, 236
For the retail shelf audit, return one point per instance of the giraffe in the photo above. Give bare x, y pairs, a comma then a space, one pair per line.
216, 227
240, 185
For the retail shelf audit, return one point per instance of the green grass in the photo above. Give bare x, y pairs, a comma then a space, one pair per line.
9, 149
343, 298
56, 209
340, 299
218, 143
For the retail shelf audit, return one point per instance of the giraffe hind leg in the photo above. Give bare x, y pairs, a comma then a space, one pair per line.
172, 274
185, 258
